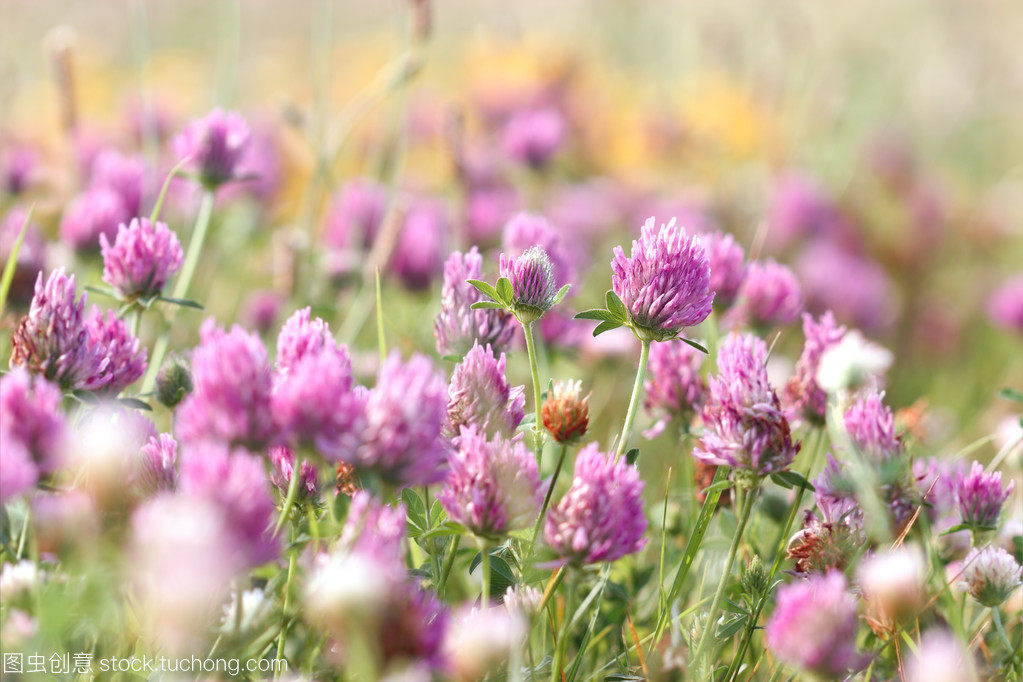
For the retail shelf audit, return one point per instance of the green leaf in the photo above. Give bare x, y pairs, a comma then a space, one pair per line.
560, 296
957, 528
606, 326
731, 627
596, 314
135, 404
183, 302
485, 289
615, 305
505, 291
731, 606
12, 261
791, 479
446, 529
1010, 393
694, 344
487, 305
718, 487
415, 511
632, 455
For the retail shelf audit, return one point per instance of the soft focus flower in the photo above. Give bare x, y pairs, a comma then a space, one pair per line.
745, 426
354, 215
127, 176
236, 482
418, 256
800, 207
31, 255
526, 230
803, 396
245, 612
157, 464
826, 269
412, 628
814, 625
347, 588
402, 438
980, 496
727, 263
64, 520
143, 257
300, 336
231, 399
261, 309
1005, 307
315, 402
851, 363
489, 199
522, 599
566, 411
480, 640
479, 394
533, 136
104, 450
871, 427
674, 389
125, 354
214, 145
93, 214
18, 580
182, 563
17, 471
941, 658
665, 283
31, 421
282, 461
770, 296
492, 486
18, 167
534, 288
457, 326
374, 528
991, 574
53, 340
893, 582
600, 518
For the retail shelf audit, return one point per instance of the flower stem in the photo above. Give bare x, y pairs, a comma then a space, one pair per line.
485, 567
996, 618
719, 593
441, 586
289, 501
637, 391
562, 644
538, 422
547, 498
292, 560
184, 281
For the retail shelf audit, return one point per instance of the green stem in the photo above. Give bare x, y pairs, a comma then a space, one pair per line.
562, 644
289, 501
184, 281
996, 618
441, 587
547, 498
719, 593
292, 560
434, 559
535, 372
485, 567
637, 392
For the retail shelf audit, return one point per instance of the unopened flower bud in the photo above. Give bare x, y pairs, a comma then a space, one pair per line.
566, 412
756, 579
174, 382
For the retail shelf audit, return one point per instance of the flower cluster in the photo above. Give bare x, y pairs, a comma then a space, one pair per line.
142, 258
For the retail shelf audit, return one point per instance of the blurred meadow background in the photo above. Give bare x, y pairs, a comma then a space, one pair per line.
874, 148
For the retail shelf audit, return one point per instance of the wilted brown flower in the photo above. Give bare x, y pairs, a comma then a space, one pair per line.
566, 412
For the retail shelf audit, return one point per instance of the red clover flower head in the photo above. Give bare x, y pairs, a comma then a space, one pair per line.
142, 259
492, 486
803, 396
418, 255
53, 340
232, 390
770, 296
1005, 307
158, 460
980, 496
665, 282
533, 136
479, 394
600, 518
402, 438
125, 354
814, 625
127, 176
871, 426
746, 428
727, 263
215, 146
525, 230
458, 327
93, 214
534, 288
674, 388
282, 461
31, 420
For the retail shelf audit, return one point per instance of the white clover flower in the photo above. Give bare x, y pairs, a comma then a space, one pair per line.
893, 582
17, 580
990, 574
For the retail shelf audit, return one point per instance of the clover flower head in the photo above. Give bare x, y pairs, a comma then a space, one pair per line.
871, 427
418, 256
665, 282
479, 640
674, 389
1005, 306
142, 259
31, 420
727, 263
803, 396
215, 146
770, 296
95, 213
126, 356
980, 496
534, 289
492, 486
127, 176
533, 136
941, 658
479, 394
157, 466
458, 327
566, 411
525, 230
814, 624
990, 574
282, 461
600, 518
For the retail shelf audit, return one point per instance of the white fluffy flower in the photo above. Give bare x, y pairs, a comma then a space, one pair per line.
990, 574
851, 363
893, 582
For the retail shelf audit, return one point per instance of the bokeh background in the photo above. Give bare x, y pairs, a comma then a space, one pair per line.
873, 147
